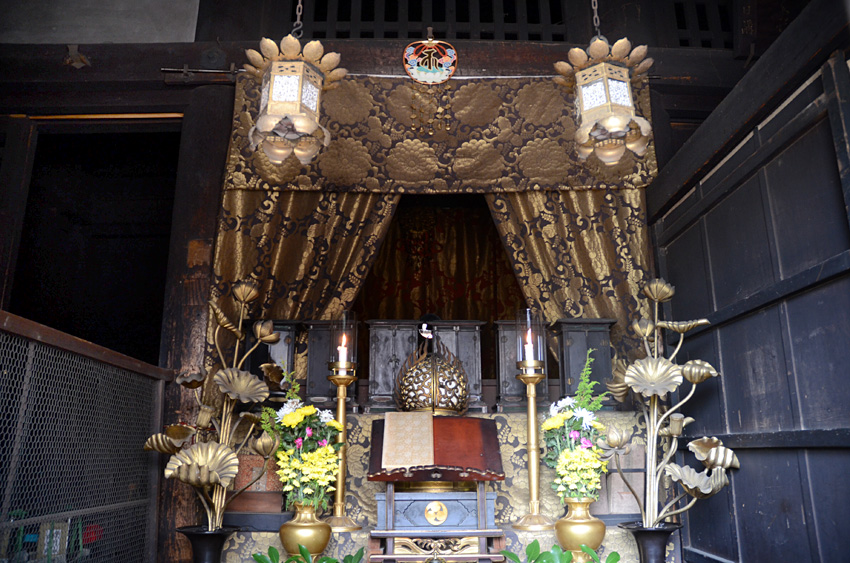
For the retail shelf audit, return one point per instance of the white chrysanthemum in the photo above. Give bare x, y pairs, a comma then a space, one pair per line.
587, 417
558, 406
326, 416
288, 407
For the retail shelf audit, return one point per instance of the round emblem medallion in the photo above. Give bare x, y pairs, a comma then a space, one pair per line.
436, 513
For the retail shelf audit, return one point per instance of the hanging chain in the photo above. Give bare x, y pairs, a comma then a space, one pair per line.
296, 27
595, 5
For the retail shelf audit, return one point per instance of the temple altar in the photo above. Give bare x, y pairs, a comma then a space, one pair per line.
615, 504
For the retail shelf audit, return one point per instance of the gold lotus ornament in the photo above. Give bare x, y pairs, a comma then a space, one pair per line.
651, 379
653, 376
241, 385
203, 465
698, 485
210, 464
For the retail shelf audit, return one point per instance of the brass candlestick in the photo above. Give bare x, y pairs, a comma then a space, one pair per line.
342, 376
531, 373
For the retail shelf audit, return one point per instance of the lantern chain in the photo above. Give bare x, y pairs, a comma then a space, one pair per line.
297, 30
595, 5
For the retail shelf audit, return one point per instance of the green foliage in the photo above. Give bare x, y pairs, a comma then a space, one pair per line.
555, 555
613, 557
304, 556
534, 555
272, 557
584, 394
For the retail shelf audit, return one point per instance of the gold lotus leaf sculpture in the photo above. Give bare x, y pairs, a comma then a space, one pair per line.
241, 385
162, 444
211, 463
697, 371
203, 465
190, 380
681, 327
273, 372
653, 376
698, 485
712, 453
651, 379
223, 321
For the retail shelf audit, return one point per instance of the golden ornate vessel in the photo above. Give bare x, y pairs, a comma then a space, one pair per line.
432, 381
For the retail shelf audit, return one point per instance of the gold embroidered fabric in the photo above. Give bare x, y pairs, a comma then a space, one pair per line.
579, 254
506, 135
308, 251
408, 440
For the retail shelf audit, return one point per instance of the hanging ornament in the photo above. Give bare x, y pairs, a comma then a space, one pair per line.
602, 76
430, 63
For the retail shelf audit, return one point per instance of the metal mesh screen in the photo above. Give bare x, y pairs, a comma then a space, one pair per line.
76, 484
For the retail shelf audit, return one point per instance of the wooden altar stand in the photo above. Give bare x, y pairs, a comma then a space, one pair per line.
465, 449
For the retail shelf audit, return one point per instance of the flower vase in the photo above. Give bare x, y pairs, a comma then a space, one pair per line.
206, 544
579, 527
651, 542
305, 529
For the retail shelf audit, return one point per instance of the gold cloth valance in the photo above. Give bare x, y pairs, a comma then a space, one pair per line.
507, 135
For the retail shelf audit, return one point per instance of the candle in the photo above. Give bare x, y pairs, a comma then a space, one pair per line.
342, 350
529, 347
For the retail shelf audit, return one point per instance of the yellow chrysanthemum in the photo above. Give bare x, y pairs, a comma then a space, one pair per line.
335, 424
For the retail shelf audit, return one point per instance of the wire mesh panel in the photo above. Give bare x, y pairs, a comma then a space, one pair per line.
76, 484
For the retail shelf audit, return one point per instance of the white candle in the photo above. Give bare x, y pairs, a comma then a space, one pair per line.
529, 347
342, 350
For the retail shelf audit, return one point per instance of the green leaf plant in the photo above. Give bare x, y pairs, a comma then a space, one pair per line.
554, 555
304, 556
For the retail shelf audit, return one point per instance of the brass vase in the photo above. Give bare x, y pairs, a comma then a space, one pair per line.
579, 527
305, 529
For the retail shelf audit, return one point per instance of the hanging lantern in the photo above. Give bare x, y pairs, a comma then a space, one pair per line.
292, 82
603, 77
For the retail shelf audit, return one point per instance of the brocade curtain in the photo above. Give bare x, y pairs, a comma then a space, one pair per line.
579, 254
308, 251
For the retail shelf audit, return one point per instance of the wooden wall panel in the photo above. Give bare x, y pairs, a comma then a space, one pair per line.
830, 490
770, 225
770, 506
820, 348
711, 525
738, 245
707, 404
687, 270
805, 197
754, 374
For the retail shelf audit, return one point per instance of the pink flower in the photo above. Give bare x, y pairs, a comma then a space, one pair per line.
323, 443
574, 435
309, 431
585, 443
298, 442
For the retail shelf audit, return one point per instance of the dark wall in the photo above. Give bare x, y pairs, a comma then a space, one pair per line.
94, 244
761, 247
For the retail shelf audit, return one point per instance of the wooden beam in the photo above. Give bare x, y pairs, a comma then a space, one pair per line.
800, 50
791, 439
31, 330
197, 200
836, 84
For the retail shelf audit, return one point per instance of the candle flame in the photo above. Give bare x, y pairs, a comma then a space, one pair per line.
343, 339
528, 337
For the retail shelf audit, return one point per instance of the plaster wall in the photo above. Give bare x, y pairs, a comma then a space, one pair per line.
98, 21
